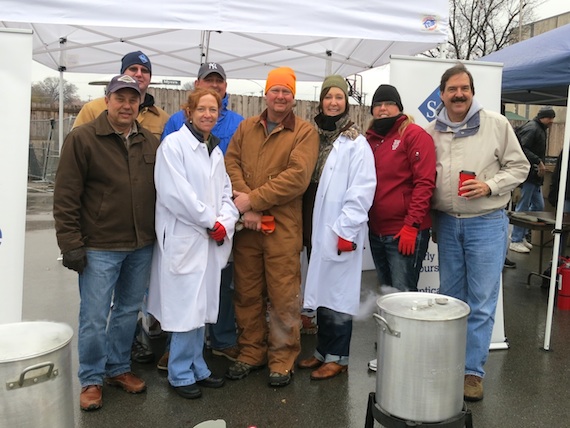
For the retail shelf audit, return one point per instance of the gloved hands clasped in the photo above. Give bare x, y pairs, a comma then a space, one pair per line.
218, 233
407, 236
345, 246
75, 259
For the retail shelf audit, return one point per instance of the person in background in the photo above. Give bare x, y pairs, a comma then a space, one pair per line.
270, 161
340, 194
404, 155
103, 208
223, 334
195, 219
532, 136
138, 66
471, 229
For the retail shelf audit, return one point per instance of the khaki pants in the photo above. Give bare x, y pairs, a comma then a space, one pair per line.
266, 268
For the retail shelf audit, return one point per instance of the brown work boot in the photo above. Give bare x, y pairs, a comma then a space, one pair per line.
328, 370
91, 397
230, 353
128, 381
309, 363
473, 388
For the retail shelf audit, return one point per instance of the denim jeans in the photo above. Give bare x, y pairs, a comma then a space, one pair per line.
106, 332
471, 257
531, 200
333, 336
392, 267
186, 363
223, 334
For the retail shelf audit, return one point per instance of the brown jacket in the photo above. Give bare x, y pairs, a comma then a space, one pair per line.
274, 169
104, 194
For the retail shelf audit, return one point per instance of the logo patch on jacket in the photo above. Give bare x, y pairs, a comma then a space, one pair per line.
395, 144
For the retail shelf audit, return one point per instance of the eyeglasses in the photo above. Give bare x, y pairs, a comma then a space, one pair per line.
384, 103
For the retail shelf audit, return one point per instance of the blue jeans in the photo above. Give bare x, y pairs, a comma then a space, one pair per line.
186, 363
223, 334
392, 267
471, 257
333, 336
531, 200
106, 333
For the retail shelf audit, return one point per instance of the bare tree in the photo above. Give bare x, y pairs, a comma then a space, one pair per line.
47, 91
479, 27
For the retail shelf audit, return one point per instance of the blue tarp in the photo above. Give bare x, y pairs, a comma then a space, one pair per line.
536, 70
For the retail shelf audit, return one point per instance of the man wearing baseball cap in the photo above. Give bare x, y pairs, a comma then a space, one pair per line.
270, 161
104, 199
223, 336
211, 75
138, 66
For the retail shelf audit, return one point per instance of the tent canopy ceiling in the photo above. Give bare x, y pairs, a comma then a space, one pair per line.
315, 38
536, 70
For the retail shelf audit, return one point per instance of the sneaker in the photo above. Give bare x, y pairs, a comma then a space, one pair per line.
163, 362
230, 353
373, 365
141, 351
519, 247
279, 379
509, 264
309, 325
473, 388
239, 370
527, 244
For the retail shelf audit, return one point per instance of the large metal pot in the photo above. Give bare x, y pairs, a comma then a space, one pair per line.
421, 355
35, 365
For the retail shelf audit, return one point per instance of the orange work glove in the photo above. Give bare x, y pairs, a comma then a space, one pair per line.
267, 224
218, 233
407, 236
345, 246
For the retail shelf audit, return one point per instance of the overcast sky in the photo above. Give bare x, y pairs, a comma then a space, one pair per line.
305, 90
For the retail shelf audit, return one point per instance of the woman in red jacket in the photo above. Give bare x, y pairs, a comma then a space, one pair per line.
399, 219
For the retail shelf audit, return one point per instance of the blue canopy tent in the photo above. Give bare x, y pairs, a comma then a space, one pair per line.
536, 70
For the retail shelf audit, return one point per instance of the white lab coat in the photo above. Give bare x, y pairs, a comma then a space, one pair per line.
193, 192
344, 196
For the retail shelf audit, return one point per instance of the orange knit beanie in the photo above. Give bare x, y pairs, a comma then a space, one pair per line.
281, 76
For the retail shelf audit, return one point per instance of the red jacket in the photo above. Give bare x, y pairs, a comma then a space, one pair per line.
405, 171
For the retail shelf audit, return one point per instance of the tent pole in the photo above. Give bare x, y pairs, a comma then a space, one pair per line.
558, 226
61, 68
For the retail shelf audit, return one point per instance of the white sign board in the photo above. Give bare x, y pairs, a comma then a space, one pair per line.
15, 87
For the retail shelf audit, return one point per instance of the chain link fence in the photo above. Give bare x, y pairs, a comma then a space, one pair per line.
43, 157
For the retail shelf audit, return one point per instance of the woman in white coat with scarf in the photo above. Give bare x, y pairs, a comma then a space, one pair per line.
339, 196
195, 219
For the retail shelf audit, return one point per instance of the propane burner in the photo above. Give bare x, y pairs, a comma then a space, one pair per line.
374, 412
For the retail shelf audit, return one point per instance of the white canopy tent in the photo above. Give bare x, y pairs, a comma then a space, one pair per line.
249, 38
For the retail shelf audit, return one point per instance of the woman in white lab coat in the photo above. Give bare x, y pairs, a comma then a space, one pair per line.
195, 219
341, 193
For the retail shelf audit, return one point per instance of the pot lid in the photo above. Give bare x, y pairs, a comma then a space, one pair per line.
20, 341
423, 306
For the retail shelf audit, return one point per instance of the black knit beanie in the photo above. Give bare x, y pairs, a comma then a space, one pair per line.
135, 58
386, 93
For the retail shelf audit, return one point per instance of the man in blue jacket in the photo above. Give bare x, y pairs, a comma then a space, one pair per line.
223, 337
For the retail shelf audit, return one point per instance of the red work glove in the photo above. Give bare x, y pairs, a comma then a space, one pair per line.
345, 246
267, 224
407, 236
218, 232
